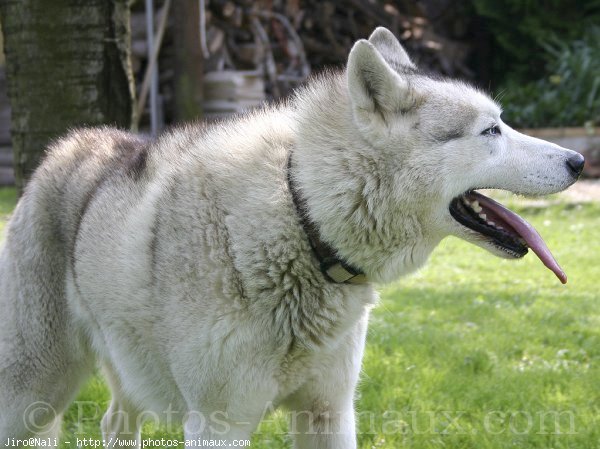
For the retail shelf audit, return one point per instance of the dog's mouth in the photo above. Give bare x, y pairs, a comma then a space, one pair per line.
503, 228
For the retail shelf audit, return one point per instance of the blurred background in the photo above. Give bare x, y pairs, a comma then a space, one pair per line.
147, 64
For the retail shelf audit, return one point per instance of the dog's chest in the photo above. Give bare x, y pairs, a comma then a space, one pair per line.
302, 367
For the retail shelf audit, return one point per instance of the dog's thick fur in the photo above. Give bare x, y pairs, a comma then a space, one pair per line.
181, 264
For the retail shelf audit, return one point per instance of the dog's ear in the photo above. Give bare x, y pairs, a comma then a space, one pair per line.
390, 48
376, 90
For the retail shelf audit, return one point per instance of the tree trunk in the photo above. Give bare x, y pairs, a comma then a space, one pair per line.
68, 65
188, 62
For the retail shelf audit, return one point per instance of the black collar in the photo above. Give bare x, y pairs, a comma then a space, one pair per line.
333, 268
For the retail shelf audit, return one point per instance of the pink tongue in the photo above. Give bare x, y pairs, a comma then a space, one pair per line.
526, 231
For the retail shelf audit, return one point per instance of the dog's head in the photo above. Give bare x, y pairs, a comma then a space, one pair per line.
449, 139
439, 140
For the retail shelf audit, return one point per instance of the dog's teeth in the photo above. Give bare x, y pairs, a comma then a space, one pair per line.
476, 207
491, 223
484, 216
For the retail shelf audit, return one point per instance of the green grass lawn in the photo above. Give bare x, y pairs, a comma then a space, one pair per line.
471, 352
7, 204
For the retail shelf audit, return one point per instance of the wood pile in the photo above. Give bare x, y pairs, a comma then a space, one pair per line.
283, 41
280, 37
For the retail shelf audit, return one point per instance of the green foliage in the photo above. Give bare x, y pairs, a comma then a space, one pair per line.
545, 59
569, 95
517, 28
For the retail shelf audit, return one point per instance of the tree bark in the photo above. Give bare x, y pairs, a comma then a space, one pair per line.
188, 61
68, 65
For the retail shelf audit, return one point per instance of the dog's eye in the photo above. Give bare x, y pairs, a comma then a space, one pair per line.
493, 131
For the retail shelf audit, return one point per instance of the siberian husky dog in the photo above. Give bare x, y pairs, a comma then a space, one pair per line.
217, 272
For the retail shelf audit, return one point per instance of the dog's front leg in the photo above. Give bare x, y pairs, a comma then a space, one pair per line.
324, 427
322, 410
204, 429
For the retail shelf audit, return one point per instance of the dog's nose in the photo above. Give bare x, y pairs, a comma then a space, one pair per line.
575, 164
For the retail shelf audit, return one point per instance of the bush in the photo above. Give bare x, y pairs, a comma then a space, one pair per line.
568, 96
517, 27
